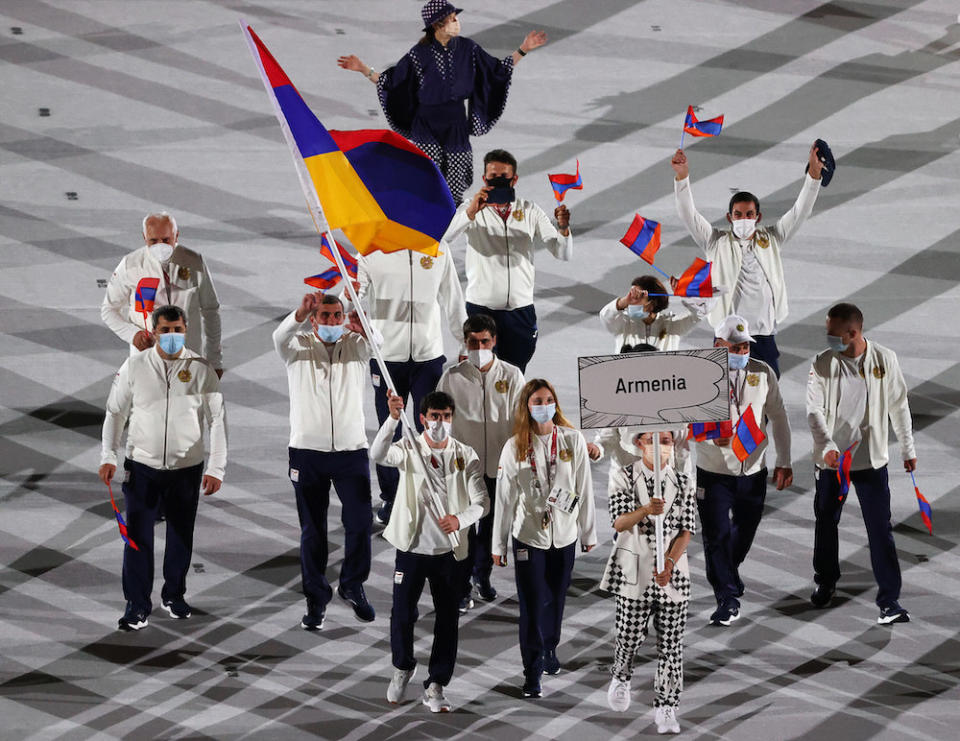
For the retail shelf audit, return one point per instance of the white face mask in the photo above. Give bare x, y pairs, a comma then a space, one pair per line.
480, 357
161, 250
743, 228
438, 430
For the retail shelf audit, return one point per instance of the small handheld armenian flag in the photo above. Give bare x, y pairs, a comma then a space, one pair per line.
747, 436
703, 431
694, 127
561, 183
695, 280
843, 471
926, 511
120, 523
145, 296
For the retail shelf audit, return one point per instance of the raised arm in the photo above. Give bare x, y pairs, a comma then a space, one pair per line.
284, 336
790, 222
696, 224
558, 239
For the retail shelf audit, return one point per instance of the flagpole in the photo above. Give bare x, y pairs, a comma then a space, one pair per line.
661, 273
323, 227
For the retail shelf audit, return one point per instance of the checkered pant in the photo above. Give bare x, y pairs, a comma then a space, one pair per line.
669, 620
457, 167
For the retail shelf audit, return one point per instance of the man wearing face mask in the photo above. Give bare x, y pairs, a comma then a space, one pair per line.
163, 272
170, 396
747, 256
326, 369
853, 389
730, 492
424, 549
502, 232
408, 295
486, 390
639, 318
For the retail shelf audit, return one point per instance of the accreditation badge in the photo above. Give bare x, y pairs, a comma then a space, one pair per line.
566, 455
518, 214
501, 386
763, 241
753, 379
184, 375
183, 274
426, 262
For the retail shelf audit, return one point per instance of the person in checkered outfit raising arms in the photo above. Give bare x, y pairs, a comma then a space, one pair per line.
642, 592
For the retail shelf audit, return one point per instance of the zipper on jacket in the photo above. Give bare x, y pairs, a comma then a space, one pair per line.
410, 254
506, 240
166, 417
330, 395
483, 385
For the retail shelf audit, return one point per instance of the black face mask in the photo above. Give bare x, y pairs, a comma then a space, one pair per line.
499, 181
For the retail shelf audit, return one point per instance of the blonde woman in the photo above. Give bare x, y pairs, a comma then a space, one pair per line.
641, 592
545, 502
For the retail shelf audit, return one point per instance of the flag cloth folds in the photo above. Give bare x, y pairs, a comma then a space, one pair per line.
562, 183
643, 237
926, 511
324, 281
349, 261
120, 523
703, 431
145, 296
381, 190
843, 471
695, 280
747, 435
701, 128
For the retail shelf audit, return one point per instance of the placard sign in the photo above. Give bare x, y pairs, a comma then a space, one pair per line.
651, 389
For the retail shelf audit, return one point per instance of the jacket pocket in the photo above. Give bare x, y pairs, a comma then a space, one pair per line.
629, 563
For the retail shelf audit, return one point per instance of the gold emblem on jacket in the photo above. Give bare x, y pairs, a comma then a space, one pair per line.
426, 262
183, 274
501, 386
566, 456
663, 334
184, 375
763, 241
518, 214
459, 463
879, 371
753, 379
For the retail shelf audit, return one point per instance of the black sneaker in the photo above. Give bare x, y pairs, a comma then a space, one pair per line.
383, 513
355, 597
485, 590
313, 620
177, 608
532, 689
551, 664
135, 618
465, 604
893, 614
822, 595
726, 613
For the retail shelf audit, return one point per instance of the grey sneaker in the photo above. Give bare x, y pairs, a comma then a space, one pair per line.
433, 698
618, 695
666, 718
398, 685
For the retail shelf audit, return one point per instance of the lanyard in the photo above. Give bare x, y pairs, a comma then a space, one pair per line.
737, 396
551, 473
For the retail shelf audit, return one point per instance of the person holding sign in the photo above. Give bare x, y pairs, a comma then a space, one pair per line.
855, 390
642, 317
732, 471
424, 550
544, 501
747, 256
631, 575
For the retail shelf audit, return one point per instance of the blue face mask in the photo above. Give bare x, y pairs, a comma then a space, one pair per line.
329, 332
543, 413
171, 342
636, 311
836, 344
737, 362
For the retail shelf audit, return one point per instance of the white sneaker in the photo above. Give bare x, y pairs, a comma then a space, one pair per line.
618, 695
666, 719
398, 685
433, 698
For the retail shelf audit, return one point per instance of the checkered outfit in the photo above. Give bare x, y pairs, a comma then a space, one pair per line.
669, 613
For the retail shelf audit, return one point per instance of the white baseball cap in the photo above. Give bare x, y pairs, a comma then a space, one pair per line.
733, 329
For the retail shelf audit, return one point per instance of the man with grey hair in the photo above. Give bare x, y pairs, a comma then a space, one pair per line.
163, 272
